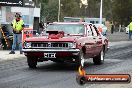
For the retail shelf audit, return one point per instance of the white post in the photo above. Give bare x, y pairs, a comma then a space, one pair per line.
100, 21
59, 12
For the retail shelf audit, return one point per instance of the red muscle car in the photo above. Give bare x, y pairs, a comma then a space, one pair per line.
66, 42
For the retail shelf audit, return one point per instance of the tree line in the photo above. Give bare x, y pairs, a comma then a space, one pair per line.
117, 11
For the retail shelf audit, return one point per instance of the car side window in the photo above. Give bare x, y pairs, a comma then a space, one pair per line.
94, 31
89, 31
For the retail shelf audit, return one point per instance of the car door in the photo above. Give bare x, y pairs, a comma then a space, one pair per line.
95, 37
98, 37
90, 42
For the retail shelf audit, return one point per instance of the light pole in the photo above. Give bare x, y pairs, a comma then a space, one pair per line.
59, 12
100, 21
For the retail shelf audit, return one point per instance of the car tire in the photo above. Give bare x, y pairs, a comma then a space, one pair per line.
81, 59
99, 59
81, 80
32, 62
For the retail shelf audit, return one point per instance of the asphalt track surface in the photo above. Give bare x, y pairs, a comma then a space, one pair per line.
16, 74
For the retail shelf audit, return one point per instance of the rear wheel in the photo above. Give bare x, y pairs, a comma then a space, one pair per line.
99, 59
32, 62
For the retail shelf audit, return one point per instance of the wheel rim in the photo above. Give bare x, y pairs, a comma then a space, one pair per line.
82, 60
102, 55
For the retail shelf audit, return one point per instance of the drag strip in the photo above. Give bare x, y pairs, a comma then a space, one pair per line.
16, 74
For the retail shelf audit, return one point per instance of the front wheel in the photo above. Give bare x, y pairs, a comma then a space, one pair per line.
81, 59
99, 59
32, 62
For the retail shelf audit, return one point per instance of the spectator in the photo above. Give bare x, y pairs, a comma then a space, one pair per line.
112, 28
130, 30
17, 25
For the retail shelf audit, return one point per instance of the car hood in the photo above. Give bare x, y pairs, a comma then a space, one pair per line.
46, 39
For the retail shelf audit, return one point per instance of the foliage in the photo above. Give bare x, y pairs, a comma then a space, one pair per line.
107, 9
49, 11
69, 8
122, 11
113, 10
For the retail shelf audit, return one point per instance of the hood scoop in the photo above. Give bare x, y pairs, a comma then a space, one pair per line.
55, 34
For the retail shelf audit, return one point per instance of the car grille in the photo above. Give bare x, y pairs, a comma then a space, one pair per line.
49, 45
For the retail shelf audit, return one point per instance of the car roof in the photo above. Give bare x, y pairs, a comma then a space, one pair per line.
98, 24
70, 23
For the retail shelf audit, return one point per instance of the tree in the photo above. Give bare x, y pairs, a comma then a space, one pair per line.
70, 8
93, 8
122, 11
37, 2
107, 9
114, 10
49, 10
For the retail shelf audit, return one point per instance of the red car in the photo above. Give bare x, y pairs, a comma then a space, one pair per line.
66, 42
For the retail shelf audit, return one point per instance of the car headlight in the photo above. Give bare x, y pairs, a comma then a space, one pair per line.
72, 45
27, 45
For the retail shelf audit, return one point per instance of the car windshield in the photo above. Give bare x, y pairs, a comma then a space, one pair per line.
67, 28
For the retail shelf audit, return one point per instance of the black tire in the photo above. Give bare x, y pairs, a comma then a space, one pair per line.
32, 62
81, 80
99, 59
80, 59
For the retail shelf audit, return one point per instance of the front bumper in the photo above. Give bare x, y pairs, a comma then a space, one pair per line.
51, 50
60, 53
